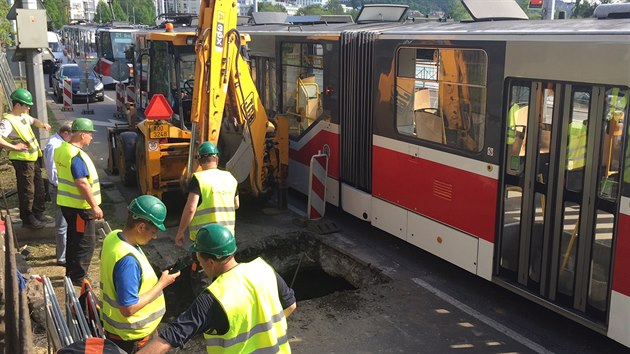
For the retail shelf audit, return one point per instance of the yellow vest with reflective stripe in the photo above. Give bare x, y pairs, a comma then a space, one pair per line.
576, 147
146, 320
511, 124
217, 189
249, 295
24, 131
68, 194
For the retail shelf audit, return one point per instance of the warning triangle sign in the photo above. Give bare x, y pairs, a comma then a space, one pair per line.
158, 108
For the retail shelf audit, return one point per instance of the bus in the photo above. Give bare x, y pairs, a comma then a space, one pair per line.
498, 144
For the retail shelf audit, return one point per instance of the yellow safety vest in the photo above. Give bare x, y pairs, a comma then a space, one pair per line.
24, 131
576, 146
511, 128
68, 194
249, 295
146, 320
217, 189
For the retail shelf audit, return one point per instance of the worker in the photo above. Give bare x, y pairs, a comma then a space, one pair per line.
24, 154
131, 294
79, 196
63, 134
244, 310
212, 196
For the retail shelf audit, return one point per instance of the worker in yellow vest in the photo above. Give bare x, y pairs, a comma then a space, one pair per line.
131, 293
244, 310
24, 154
79, 196
212, 196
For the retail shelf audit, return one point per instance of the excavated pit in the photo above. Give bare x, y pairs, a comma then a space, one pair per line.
313, 267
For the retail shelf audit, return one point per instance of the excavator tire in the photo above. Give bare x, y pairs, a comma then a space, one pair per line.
141, 163
126, 146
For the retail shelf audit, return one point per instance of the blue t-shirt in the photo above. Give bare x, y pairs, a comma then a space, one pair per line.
127, 279
79, 168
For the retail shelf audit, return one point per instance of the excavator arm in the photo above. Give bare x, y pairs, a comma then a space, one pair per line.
222, 75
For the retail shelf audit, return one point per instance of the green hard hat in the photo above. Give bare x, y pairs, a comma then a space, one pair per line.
207, 148
214, 239
149, 208
82, 125
23, 96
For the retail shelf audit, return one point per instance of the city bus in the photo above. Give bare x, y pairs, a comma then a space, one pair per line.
497, 144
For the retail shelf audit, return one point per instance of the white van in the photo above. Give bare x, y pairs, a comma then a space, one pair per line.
55, 46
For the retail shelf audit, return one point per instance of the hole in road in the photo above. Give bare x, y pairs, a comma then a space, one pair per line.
318, 268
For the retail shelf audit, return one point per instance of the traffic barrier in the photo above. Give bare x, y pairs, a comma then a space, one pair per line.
120, 101
317, 186
67, 96
131, 94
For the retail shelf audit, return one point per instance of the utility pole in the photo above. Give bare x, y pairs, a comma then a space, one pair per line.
549, 9
35, 78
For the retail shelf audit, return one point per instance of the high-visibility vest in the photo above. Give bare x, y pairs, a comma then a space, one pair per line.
146, 320
576, 146
511, 124
217, 189
248, 294
24, 131
68, 194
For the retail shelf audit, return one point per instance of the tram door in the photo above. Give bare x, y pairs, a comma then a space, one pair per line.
561, 192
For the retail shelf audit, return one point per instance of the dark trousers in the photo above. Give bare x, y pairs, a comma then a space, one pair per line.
30, 188
130, 346
80, 239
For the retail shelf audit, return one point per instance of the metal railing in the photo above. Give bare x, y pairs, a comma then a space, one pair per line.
6, 77
18, 332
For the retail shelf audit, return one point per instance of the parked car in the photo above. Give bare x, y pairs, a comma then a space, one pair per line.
74, 73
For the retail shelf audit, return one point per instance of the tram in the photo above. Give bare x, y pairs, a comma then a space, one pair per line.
114, 44
497, 144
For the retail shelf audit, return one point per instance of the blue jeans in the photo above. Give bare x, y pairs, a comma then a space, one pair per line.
61, 226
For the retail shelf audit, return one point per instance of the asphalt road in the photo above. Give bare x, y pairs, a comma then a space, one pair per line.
430, 306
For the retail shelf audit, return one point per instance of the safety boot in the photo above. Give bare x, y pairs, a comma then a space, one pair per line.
33, 223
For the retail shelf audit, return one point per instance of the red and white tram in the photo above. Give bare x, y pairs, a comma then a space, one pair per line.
499, 146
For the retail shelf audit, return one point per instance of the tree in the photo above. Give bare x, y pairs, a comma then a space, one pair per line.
5, 25
54, 11
267, 7
102, 15
139, 11
119, 12
312, 10
334, 7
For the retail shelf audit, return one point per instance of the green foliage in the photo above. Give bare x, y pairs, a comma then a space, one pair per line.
119, 13
333, 7
102, 15
5, 25
55, 10
584, 9
144, 11
267, 7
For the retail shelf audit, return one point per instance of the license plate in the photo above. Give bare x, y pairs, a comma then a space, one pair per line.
158, 131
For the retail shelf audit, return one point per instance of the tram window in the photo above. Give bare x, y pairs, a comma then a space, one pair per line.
517, 128
611, 153
441, 94
106, 45
302, 84
576, 139
159, 78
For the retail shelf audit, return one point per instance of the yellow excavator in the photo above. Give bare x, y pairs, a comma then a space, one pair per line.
257, 149
213, 100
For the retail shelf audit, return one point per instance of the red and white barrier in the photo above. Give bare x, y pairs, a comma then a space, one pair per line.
120, 101
317, 186
67, 96
131, 94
